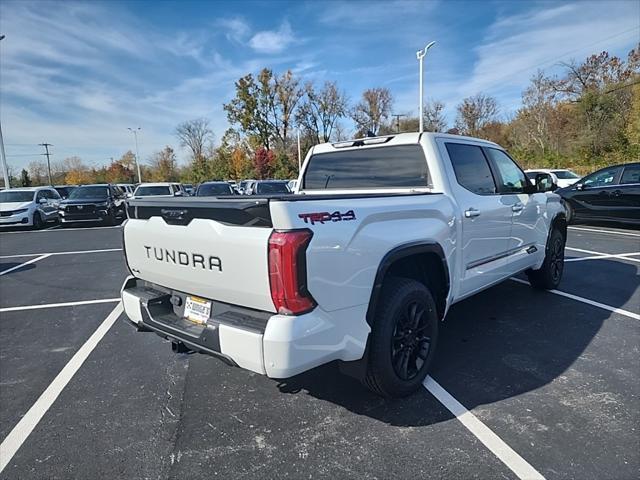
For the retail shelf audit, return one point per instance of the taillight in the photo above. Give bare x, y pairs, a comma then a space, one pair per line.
288, 272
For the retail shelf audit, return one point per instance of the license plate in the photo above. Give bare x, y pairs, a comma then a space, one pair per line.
197, 310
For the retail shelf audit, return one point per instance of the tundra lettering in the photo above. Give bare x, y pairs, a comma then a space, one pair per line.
183, 258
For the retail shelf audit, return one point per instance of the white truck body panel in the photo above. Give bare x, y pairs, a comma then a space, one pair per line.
242, 280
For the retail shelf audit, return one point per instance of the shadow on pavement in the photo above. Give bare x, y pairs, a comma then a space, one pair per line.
501, 343
9, 265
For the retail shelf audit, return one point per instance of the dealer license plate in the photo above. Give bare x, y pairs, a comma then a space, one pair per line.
197, 310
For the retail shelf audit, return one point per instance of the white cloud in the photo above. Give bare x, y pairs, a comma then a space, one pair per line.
237, 29
516, 46
272, 41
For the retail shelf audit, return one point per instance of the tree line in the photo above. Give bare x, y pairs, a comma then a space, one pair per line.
586, 117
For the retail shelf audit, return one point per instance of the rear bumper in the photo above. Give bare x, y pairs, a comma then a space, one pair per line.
278, 346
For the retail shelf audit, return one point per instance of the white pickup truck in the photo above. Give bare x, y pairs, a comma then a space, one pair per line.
360, 265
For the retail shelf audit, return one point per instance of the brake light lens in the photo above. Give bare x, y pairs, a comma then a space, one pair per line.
288, 272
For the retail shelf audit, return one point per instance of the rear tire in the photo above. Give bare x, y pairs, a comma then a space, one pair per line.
549, 275
403, 338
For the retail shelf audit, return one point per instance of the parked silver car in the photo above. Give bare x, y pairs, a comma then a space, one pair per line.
29, 207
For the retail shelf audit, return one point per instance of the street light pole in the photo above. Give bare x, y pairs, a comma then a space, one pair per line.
135, 135
5, 170
299, 154
420, 54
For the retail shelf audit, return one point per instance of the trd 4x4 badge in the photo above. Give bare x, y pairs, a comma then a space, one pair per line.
321, 217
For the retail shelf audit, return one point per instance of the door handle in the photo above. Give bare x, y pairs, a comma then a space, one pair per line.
616, 193
471, 212
518, 207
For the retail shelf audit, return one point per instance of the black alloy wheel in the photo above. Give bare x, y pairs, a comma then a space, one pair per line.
411, 340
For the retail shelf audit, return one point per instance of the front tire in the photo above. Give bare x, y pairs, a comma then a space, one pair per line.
38, 222
569, 212
549, 275
403, 338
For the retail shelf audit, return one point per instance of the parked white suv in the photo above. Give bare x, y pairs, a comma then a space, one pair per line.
360, 265
29, 207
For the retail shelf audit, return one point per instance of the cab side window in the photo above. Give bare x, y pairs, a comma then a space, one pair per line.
40, 195
52, 194
512, 178
603, 178
631, 174
471, 168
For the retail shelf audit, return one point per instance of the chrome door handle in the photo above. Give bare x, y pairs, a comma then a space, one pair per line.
518, 207
471, 212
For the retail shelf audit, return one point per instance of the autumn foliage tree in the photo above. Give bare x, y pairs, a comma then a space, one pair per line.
263, 163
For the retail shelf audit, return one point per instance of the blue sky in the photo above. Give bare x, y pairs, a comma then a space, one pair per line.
78, 74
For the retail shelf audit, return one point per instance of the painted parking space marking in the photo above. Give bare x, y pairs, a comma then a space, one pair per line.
26, 425
611, 232
63, 253
17, 267
495, 444
604, 306
57, 305
597, 255
58, 228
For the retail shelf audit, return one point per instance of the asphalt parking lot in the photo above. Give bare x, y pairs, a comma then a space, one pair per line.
526, 384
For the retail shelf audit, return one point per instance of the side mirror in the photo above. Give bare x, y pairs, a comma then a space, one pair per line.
42, 201
177, 194
580, 186
545, 183
129, 195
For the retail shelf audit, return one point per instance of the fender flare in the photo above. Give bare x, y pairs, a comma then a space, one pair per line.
397, 253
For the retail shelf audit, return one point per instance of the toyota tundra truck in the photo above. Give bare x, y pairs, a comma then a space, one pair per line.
360, 265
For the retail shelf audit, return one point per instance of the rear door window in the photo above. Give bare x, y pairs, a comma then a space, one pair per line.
386, 167
471, 168
631, 174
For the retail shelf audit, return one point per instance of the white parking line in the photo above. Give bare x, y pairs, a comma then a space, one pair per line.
612, 232
9, 270
495, 444
63, 253
596, 255
25, 426
56, 305
604, 306
620, 256
58, 228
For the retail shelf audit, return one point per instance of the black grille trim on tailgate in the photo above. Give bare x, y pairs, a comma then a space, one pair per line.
180, 211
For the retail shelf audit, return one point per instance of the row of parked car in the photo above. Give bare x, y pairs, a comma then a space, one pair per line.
106, 203
609, 194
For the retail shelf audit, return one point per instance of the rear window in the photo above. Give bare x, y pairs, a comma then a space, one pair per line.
151, 191
213, 189
266, 188
383, 167
566, 175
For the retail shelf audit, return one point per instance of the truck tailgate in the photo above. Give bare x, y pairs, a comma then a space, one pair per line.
205, 258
